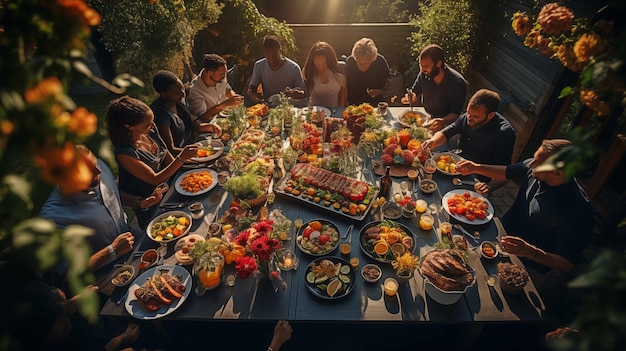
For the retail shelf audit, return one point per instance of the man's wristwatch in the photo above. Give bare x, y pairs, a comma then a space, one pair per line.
112, 252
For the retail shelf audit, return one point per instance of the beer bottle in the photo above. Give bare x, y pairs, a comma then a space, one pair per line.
385, 183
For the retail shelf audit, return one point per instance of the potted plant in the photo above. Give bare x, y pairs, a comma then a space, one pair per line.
248, 187
405, 265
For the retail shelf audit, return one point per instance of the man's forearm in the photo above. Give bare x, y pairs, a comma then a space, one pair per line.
495, 172
450, 118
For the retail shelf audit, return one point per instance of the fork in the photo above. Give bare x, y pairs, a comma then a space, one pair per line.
462, 230
173, 205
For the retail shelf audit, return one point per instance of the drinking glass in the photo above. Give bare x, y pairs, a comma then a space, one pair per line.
430, 166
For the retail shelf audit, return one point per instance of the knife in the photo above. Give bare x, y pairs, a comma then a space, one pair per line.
349, 231
501, 233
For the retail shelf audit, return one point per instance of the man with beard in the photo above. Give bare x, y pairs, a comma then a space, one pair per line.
275, 74
438, 87
551, 220
485, 135
209, 91
98, 207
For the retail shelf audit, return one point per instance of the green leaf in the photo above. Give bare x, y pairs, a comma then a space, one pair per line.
567, 91
20, 187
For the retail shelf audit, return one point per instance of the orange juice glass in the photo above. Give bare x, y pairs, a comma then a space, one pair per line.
420, 206
211, 277
354, 262
345, 248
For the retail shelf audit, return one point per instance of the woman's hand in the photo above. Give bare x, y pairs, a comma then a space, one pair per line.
188, 152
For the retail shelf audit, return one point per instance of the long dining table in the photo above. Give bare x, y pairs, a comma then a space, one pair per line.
367, 303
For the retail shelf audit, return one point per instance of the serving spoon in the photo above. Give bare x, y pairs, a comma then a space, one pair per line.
458, 181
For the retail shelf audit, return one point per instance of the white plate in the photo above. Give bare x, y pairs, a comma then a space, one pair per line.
454, 156
214, 143
402, 121
165, 215
449, 194
136, 310
321, 109
207, 189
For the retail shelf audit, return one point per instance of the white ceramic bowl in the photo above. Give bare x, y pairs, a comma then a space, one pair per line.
488, 244
442, 296
160, 217
426, 186
446, 297
371, 267
390, 206
123, 275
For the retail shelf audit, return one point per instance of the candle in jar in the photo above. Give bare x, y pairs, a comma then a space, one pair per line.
390, 286
426, 221
288, 261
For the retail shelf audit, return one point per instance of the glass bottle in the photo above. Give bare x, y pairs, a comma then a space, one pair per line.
385, 183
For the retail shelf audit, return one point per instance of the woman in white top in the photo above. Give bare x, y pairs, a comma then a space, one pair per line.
326, 86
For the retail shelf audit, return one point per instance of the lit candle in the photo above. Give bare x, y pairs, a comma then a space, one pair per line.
287, 262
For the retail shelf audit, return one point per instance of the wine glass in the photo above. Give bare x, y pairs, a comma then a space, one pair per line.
430, 166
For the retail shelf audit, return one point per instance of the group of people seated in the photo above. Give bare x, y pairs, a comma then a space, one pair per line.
549, 224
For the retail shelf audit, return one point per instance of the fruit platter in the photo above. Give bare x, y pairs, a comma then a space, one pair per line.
330, 278
446, 162
330, 191
381, 240
410, 118
318, 237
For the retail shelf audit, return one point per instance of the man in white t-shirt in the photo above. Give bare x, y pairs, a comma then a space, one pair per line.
209, 92
276, 74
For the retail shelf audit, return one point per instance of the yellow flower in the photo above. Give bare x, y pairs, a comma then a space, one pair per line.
588, 46
83, 122
531, 38
521, 23
64, 166
406, 261
566, 55
589, 98
48, 87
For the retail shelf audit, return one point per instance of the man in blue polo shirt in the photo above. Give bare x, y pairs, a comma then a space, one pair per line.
438, 87
485, 135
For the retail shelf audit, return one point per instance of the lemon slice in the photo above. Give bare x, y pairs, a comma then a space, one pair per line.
333, 287
310, 277
344, 269
344, 278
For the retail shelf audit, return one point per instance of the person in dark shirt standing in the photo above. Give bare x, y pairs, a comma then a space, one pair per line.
438, 87
366, 73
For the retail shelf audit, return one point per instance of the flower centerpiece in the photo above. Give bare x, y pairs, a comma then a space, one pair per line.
361, 117
405, 265
261, 250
